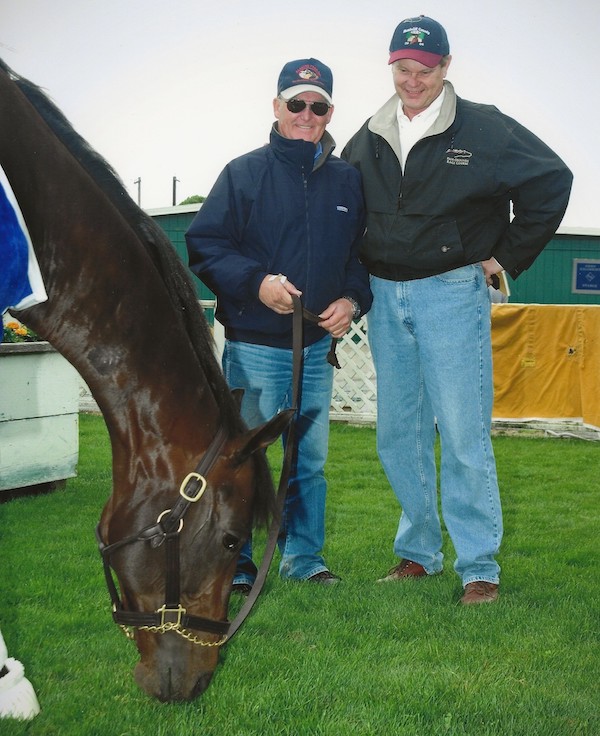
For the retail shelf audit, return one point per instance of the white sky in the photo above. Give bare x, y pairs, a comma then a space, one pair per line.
179, 88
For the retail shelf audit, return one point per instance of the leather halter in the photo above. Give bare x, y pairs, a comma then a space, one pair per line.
171, 616
166, 529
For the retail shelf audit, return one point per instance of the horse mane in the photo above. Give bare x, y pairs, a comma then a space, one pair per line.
163, 255
175, 275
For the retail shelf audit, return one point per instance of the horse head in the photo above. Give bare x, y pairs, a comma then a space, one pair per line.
175, 574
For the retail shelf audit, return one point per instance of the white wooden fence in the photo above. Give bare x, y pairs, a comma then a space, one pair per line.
354, 392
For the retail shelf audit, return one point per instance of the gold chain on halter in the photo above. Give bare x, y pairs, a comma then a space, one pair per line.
173, 626
185, 633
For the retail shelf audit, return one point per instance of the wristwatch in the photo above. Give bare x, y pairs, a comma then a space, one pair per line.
355, 307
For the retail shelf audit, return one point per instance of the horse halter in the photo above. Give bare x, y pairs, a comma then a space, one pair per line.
171, 616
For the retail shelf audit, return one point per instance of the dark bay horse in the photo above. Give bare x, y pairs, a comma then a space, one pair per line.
122, 310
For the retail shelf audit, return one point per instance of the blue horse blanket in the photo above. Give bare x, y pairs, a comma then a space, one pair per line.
21, 284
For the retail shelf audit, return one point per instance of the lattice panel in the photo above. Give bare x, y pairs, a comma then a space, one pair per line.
354, 390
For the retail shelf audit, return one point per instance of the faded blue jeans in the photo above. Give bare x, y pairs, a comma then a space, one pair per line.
431, 345
265, 374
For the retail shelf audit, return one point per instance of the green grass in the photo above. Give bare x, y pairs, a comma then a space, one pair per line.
356, 659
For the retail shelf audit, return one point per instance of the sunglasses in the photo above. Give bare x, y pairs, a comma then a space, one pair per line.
318, 108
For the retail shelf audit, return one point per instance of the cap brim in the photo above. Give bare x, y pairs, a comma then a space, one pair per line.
297, 89
423, 57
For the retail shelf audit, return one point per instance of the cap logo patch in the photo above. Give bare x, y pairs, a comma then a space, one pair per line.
308, 73
415, 36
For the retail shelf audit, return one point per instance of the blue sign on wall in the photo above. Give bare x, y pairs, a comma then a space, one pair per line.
586, 276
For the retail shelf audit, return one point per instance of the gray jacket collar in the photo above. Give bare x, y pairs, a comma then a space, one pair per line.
385, 120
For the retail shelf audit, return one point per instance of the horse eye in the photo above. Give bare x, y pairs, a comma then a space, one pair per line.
230, 542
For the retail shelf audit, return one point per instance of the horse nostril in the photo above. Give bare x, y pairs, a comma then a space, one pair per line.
201, 685
230, 542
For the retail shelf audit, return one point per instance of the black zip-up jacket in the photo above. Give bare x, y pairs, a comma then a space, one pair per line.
452, 205
275, 210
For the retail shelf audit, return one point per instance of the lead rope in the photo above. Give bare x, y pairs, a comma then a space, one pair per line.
290, 447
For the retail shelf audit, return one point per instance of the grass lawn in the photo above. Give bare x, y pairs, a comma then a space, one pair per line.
355, 659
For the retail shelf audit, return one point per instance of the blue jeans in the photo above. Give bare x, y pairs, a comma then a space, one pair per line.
265, 374
431, 345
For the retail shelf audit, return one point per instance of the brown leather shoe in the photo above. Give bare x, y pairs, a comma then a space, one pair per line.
479, 592
404, 569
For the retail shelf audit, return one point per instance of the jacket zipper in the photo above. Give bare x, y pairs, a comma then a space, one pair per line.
307, 220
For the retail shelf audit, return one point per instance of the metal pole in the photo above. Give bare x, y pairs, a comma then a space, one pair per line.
138, 181
175, 180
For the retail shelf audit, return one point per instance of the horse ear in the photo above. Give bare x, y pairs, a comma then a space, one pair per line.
238, 395
264, 435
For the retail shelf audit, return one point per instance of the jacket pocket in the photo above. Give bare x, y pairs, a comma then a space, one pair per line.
431, 244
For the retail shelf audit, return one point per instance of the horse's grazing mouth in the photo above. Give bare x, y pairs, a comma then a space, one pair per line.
167, 691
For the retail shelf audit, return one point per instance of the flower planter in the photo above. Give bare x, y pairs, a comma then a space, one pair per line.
39, 420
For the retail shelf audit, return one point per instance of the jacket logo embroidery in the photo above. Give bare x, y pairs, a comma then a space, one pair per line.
341, 208
458, 157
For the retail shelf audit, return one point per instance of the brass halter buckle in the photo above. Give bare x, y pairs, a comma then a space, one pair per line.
174, 617
201, 480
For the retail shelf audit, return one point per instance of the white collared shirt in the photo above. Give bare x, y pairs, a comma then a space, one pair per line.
413, 130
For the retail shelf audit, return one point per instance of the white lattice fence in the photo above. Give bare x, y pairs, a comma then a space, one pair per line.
354, 392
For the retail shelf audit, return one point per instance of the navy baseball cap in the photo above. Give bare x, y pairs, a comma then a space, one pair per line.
422, 39
305, 75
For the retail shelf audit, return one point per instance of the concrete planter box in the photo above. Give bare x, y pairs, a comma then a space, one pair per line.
39, 420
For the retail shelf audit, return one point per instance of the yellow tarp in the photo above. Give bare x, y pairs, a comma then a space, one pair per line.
546, 362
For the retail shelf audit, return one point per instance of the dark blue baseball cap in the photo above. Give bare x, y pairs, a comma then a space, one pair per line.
305, 75
422, 39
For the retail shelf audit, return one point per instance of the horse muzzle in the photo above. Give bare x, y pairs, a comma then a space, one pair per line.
176, 676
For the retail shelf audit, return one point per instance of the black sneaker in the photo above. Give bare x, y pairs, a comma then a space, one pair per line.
241, 588
325, 578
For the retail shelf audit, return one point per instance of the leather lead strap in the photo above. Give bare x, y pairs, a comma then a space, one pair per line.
290, 447
332, 358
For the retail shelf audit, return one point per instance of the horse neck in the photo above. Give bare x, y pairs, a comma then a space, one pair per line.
108, 310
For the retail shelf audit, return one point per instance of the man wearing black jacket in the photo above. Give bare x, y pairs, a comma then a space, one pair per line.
440, 175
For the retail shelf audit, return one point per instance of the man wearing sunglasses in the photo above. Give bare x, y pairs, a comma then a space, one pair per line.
286, 220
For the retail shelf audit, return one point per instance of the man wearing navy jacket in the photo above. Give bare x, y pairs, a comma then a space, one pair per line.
286, 219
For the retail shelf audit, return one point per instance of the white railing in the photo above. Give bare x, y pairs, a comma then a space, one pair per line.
354, 391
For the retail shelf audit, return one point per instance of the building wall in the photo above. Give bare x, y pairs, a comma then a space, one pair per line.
550, 279
175, 221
